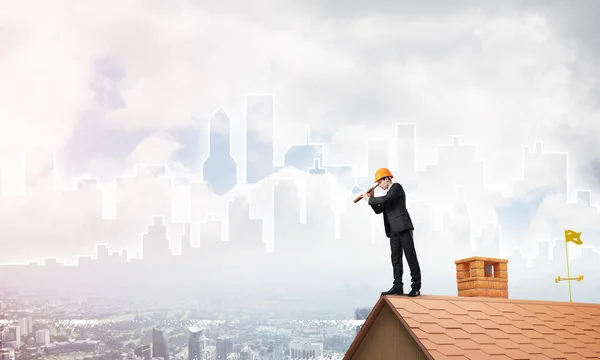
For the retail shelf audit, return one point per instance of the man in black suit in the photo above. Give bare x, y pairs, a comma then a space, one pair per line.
399, 229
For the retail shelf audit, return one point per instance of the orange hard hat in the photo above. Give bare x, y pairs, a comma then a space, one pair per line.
381, 173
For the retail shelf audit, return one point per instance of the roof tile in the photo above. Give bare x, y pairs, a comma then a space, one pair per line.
565, 348
404, 313
510, 329
497, 334
429, 345
467, 344
544, 330
473, 329
555, 339
441, 314
465, 319
482, 339
593, 334
426, 319
517, 354
481, 328
543, 343
521, 339
414, 308
450, 350
506, 318
492, 349
539, 357
532, 334
553, 354
476, 306
507, 344
412, 322
439, 356
488, 324
589, 353
574, 330
432, 328
475, 355
449, 324
441, 339
522, 324
531, 349
458, 334
478, 315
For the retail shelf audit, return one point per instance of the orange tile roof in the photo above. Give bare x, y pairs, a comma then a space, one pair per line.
479, 328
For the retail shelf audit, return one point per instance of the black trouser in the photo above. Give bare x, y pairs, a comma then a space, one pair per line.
399, 242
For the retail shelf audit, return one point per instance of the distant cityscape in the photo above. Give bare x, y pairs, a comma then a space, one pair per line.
138, 331
259, 281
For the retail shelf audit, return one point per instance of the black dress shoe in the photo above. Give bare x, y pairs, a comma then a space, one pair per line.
414, 293
393, 291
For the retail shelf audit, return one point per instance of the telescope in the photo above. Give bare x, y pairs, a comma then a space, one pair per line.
368, 191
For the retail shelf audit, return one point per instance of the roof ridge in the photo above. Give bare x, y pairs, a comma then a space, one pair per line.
496, 300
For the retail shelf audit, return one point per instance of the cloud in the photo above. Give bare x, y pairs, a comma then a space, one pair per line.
499, 78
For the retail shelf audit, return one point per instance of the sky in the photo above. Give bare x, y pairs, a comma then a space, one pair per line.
110, 85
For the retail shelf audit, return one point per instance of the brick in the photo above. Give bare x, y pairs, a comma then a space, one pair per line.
462, 267
481, 284
463, 275
501, 267
478, 272
465, 286
476, 264
504, 293
498, 285
469, 292
477, 292
482, 258
493, 293
501, 274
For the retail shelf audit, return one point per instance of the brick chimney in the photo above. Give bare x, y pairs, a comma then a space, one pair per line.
482, 277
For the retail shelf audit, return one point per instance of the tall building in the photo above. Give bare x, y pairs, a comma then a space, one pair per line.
155, 244
197, 344
260, 120
160, 345
42, 337
26, 325
220, 169
305, 350
12, 336
224, 347
144, 351
7, 354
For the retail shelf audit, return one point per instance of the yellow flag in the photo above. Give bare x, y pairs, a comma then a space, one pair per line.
573, 236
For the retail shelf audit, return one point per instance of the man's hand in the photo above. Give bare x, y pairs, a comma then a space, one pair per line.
366, 196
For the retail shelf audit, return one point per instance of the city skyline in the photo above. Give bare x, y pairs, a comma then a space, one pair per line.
238, 190
312, 206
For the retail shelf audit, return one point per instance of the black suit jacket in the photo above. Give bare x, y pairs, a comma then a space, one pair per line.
393, 206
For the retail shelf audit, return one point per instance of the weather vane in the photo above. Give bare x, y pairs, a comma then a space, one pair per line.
574, 237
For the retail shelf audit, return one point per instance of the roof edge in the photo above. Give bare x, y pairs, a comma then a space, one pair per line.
412, 334
481, 258
365, 328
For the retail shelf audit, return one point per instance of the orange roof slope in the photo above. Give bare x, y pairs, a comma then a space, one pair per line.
480, 328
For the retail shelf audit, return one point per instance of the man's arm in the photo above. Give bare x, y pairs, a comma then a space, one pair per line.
377, 208
395, 193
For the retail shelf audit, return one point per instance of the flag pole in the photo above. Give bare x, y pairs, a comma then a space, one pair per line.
570, 235
568, 269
